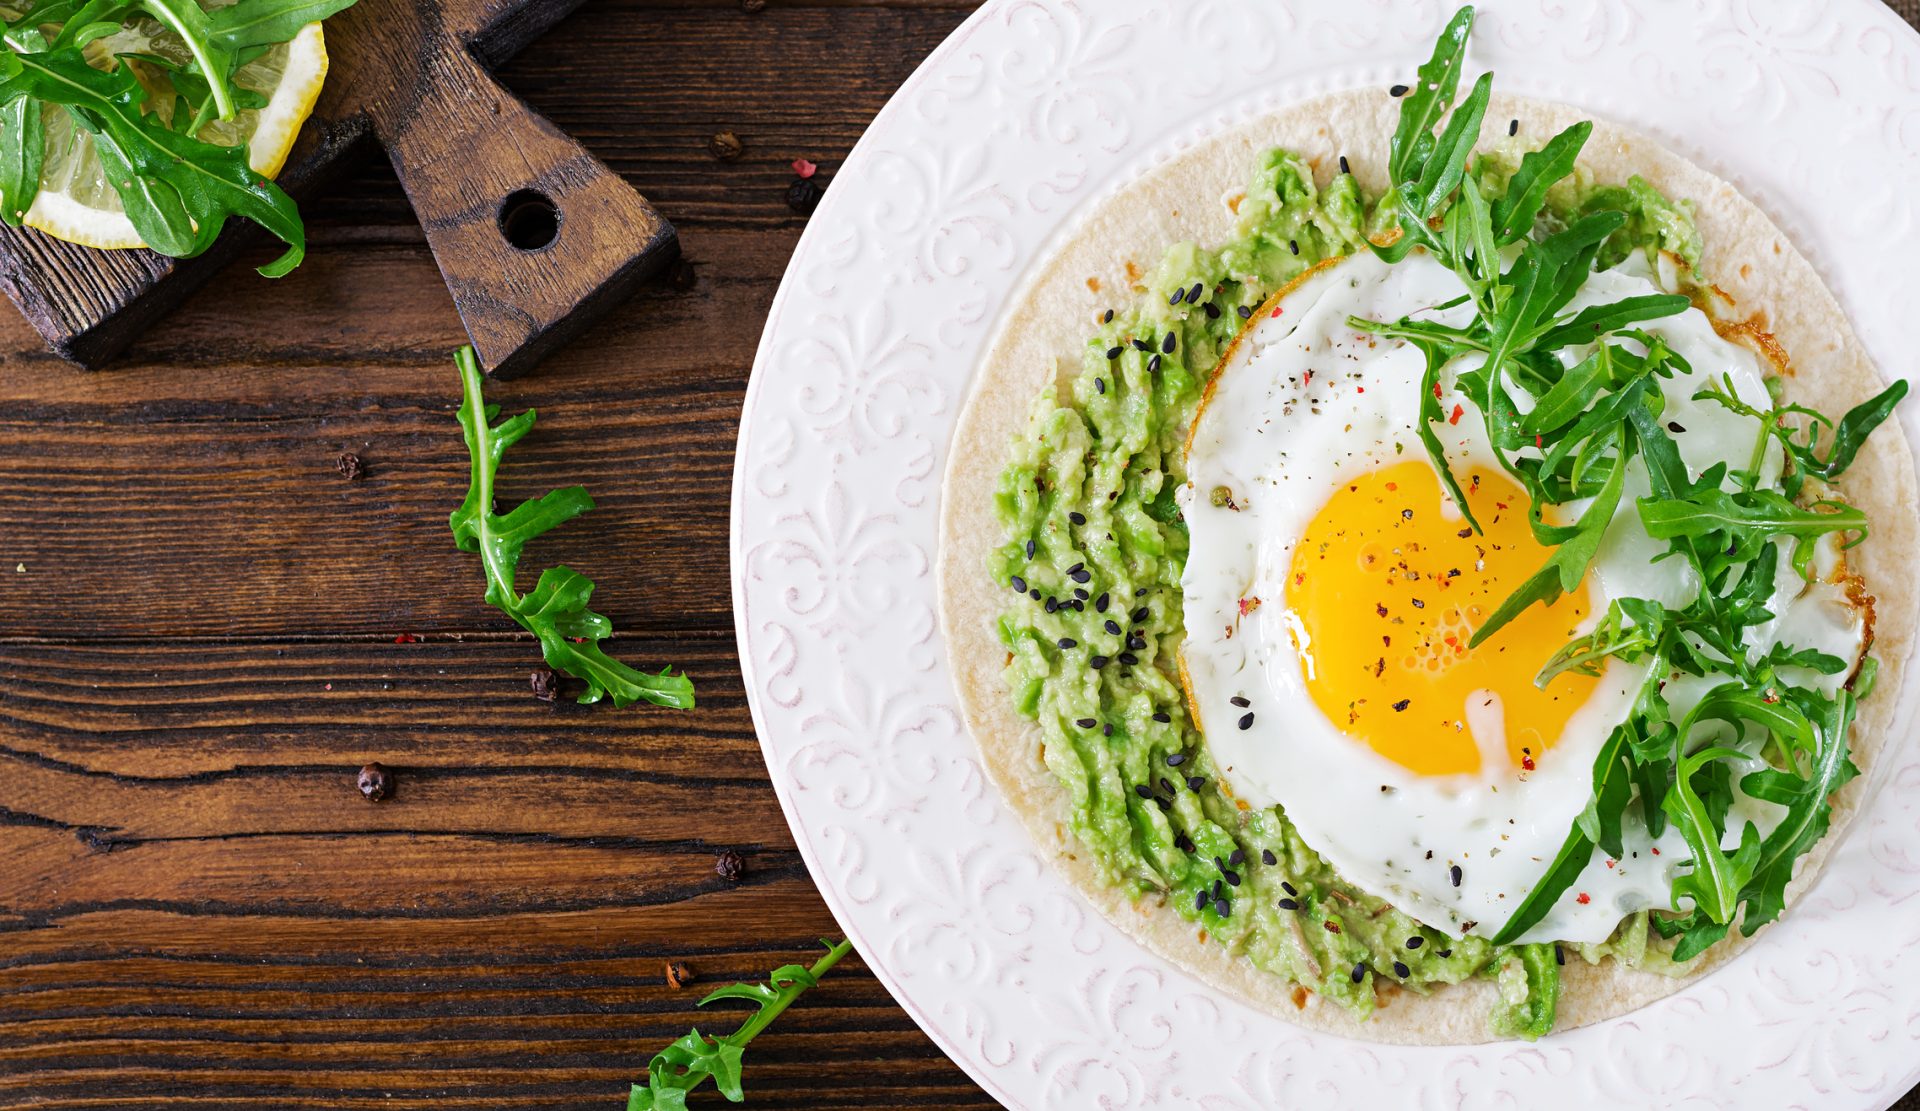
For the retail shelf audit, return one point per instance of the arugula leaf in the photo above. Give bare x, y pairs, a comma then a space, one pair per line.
177, 191
1716, 879
1567, 566
1515, 214
695, 1058
1428, 100
556, 611
1809, 813
22, 150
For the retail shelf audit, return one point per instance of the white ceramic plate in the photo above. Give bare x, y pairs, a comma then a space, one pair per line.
1029, 114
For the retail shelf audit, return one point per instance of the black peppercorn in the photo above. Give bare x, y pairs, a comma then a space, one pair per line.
545, 684
349, 466
726, 146
376, 782
730, 866
803, 196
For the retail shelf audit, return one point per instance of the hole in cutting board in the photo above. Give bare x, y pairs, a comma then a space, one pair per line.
529, 219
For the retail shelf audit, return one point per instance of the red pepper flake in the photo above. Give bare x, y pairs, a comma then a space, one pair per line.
1248, 605
406, 638
1538, 440
1656, 850
1332, 927
1309, 379
1436, 391
1583, 898
1611, 863
1363, 389
1526, 762
804, 169
1454, 417
1277, 310
329, 686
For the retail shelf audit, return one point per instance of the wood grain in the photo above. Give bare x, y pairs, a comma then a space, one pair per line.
197, 908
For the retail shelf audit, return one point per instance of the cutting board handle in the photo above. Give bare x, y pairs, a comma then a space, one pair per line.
529, 229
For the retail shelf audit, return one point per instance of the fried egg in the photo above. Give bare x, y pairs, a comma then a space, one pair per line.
1332, 586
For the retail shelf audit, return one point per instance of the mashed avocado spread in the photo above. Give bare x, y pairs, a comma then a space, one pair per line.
1094, 549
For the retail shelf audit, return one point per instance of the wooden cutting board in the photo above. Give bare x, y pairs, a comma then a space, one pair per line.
534, 235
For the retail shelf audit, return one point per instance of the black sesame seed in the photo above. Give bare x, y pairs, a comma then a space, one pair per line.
1220, 864
1079, 595
1080, 576
1140, 593
1288, 904
1212, 310
1114, 353
1175, 759
1165, 718
1233, 877
1077, 517
1219, 889
1153, 365
1237, 857
1069, 642
1179, 295
1167, 345
1112, 626
1267, 857
1675, 426
1401, 706
1193, 295
1401, 970
1181, 842
1164, 805
1288, 888
1107, 319
1200, 900
1344, 168
1100, 603
1034, 594
1166, 785
1513, 127
1019, 585
1443, 953
1416, 942
1137, 644
1099, 385
1246, 721
1240, 700
1222, 908
1139, 616
1097, 662
1078, 606
1397, 90
1107, 730
1052, 605
1559, 954
1128, 658
1293, 245
1086, 723
1359, 971
1195, 782
1032, 548
1453, 874
1143, 791
1142, 345
1245, 311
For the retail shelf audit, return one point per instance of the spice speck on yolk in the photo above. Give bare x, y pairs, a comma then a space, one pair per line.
1388, 593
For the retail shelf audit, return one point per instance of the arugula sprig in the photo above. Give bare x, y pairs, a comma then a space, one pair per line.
695, 1058
177, 189
1571, 400
556, 609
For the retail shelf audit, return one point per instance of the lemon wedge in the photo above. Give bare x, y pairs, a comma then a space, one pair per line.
77, 204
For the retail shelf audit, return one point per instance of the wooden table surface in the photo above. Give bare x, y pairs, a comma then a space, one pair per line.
205, 631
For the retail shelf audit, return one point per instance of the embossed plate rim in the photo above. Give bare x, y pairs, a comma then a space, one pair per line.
992, 1004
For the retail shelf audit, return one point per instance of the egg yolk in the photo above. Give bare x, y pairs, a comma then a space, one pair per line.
1388, 584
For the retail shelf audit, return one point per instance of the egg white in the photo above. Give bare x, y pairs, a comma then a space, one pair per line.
1282, 440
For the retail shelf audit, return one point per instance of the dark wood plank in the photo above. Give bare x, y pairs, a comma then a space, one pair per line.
197, 909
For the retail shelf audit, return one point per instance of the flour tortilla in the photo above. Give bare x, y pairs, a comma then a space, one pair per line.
1186, 199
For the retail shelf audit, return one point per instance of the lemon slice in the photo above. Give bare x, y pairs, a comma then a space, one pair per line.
76, 203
